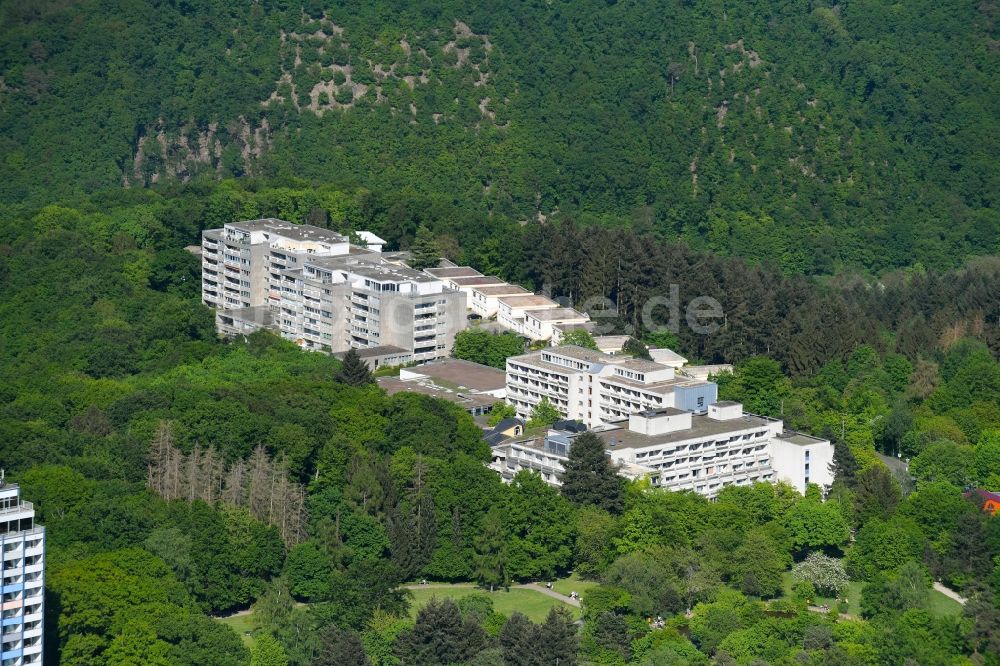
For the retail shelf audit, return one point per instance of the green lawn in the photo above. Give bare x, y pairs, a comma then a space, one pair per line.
853, 595
533, 604
940, 605
573, 583
241, 624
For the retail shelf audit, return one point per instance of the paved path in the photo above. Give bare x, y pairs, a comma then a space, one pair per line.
551, 593
527, 586
820, 609
951, 594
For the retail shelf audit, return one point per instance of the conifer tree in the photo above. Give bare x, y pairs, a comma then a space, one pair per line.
557, 639
491, 567
354, 371
424, 251
844, 466
589, 477
341, 647
441, 636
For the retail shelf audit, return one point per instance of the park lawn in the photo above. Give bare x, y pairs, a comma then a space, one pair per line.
572, 583
529, 602
241, 624
943, 606
939, 605
853, 595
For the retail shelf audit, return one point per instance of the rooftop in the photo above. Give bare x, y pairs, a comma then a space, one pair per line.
664, 355
459, 395
611, 342
465, 374
501, 290
663, 386
799, 438
389, 272
640, 364
529, 301
453, 272
701, 427
557, 314
581, 354
476, 280
290, 230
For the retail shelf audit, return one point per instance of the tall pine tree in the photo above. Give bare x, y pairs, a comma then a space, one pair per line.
590, 478
353, 370
341, 647
424, 251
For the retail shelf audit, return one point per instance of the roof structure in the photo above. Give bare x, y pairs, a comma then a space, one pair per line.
528, 302
453, 272
475, 280
557, 314
462, 373
501, 290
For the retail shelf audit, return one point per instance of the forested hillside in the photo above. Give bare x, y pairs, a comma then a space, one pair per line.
180, 477
859, 135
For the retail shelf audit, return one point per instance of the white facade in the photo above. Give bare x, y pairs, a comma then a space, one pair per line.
511, 309
240, 261
596, 388
337, 303
485, 301
315, 289
547, 324
22, 543
802, 459
678, 450
466, 285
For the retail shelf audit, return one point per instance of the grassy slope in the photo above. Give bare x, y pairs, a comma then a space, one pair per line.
940, 605
533, 604
241, 624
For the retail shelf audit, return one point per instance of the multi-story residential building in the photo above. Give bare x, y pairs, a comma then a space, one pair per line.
241, 260
511, 309
486, 300
316, 289
22, 543
548, 324
597, 388
465, 279
336, 303
680, 450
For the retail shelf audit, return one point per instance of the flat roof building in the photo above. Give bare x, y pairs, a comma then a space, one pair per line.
316, 289
597, 388
474, 387
679, 450
485, 300
22, 543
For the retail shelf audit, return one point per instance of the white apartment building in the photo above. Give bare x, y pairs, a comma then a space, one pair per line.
315, 288
680, 450
486, 300
548, 324
22, 609
239, 261
511, 309
336, 303
596, 388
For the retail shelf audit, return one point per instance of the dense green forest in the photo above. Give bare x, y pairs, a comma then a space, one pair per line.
822, 138
822, 171
182, 477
